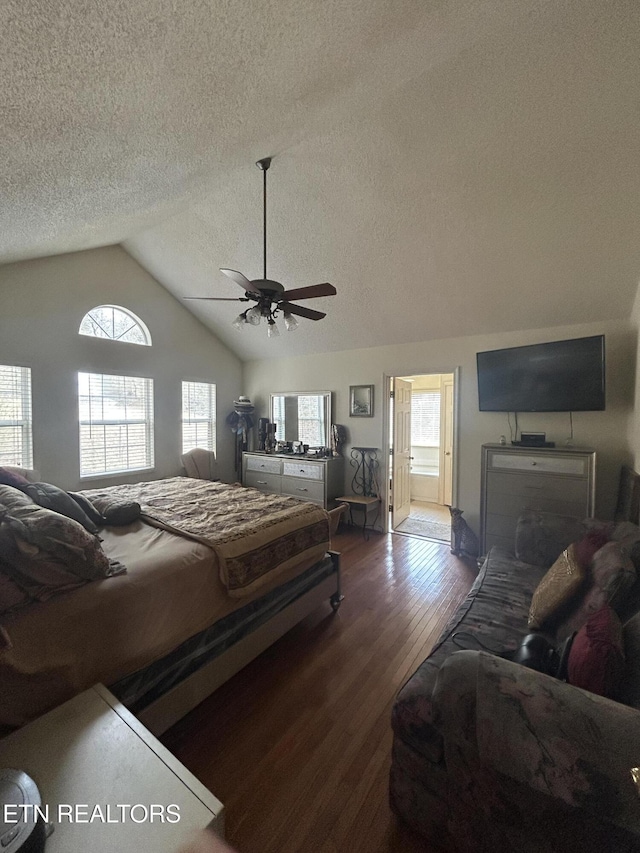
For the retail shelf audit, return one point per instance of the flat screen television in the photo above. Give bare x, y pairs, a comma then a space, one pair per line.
560, 376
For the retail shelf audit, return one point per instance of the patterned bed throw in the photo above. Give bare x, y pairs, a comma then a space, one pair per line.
256, 537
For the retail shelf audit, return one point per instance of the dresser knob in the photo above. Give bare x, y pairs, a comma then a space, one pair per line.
534, 463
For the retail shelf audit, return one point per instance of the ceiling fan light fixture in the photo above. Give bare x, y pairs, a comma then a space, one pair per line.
290, 321
252, 315
270, 296
240, 321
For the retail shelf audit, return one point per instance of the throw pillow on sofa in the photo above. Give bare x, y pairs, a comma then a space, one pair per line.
611, 577
557, 589
597, 660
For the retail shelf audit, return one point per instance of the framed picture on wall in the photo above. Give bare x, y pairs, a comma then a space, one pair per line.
361, 401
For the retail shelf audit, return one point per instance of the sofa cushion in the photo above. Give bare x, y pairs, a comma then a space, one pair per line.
542, 536
629, 691
596, 659
557, 589
493, 615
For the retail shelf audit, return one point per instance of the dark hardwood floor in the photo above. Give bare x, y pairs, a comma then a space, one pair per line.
297, 745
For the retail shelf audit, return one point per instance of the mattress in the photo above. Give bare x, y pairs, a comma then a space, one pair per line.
200, 552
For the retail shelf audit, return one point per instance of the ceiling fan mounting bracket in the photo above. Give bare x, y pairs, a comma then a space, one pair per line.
264, 163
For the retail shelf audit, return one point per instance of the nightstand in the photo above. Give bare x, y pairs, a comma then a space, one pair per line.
91, 752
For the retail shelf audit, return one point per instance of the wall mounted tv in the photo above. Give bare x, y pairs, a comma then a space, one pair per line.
560, 376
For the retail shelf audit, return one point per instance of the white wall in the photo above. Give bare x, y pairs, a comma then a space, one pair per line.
607, 432
41, 305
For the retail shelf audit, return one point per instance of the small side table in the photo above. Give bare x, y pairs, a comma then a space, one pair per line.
364, 504
92, 752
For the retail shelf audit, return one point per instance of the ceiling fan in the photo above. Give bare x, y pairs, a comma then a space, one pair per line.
269, 296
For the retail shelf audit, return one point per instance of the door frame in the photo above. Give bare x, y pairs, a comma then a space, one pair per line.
386, 430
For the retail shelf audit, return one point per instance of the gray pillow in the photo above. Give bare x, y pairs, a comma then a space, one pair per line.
51, 497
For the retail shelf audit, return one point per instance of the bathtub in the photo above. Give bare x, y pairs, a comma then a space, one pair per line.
424, 482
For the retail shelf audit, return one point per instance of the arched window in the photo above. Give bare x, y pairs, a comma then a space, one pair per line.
115, 324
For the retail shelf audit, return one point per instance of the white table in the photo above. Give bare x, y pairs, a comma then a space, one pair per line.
92, 752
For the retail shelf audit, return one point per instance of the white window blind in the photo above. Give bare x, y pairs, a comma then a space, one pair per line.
116, 423
115, 324
198, 416
278, 417
16, 443
425, 418
311, 420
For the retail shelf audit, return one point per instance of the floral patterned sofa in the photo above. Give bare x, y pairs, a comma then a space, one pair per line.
491, 756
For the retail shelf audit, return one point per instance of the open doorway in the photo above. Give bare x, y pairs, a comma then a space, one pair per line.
421, 453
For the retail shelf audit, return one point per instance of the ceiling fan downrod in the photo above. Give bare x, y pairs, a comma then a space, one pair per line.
263, 165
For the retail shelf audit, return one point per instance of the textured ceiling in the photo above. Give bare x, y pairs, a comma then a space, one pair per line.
451, 166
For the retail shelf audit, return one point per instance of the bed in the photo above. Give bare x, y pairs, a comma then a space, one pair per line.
215, 574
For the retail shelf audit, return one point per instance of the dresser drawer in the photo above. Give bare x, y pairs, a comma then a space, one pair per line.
578, 466
265, 482
264, 464
514, 505
506, 542
306, 470
301, 488
530, 485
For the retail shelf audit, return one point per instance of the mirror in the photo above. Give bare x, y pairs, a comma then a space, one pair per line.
304, 417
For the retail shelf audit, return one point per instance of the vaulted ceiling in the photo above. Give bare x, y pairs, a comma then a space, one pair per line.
451, 166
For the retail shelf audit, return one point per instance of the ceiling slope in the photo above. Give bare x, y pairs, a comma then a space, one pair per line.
451, 167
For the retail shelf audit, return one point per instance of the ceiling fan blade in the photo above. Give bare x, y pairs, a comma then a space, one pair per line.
217, 298
301, 311
325, 289
242, 280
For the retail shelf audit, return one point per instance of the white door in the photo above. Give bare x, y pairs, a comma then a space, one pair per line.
401, 455
446, 442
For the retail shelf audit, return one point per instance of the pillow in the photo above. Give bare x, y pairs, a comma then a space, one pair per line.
88, 508
51, 497
11, 497
48, 553
116, 513
541, 536
557, 589
613, 576
9, 477
596, 659
613, 572
589, 545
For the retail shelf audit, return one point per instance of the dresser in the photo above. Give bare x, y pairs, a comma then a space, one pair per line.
515, 479
316, 480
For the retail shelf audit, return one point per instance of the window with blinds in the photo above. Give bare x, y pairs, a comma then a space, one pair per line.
116, 423
16, 442
425, 418
311, 420
278, 417
198, 416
